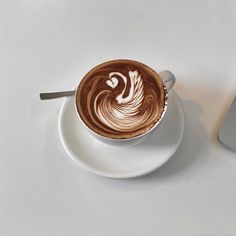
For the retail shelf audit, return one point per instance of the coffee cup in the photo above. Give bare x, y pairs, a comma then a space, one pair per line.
121, 102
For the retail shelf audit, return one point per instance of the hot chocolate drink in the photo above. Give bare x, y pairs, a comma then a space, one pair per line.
121, 99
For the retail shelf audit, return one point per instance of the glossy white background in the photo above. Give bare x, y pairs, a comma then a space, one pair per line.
50, 45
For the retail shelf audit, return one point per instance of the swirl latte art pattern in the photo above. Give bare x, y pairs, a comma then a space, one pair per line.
121, 99
125, 109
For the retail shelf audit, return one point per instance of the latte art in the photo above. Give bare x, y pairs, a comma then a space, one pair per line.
122, 113
121, 99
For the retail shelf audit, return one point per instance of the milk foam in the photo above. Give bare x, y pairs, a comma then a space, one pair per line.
124, 114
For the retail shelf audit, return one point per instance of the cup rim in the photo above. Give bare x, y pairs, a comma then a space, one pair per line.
134, 137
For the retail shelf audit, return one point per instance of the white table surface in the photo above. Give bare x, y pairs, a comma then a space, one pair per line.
50, 45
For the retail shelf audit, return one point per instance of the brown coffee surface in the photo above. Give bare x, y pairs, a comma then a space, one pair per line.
121, 99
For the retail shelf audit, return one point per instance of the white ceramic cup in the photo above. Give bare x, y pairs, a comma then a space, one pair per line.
168, 80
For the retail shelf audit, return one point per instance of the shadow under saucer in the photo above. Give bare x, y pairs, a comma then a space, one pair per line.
192, 149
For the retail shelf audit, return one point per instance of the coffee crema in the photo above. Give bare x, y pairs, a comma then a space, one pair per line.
121, 99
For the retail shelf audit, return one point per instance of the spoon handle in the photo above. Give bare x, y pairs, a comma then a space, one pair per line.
45, 96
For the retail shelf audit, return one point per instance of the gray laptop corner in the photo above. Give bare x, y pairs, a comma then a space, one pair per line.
227, 132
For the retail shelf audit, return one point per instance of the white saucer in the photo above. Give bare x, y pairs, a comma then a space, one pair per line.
122, 162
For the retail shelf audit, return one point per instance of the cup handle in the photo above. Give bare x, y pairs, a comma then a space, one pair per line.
168, 78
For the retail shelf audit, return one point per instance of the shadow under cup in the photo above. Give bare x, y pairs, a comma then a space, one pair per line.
167, 81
